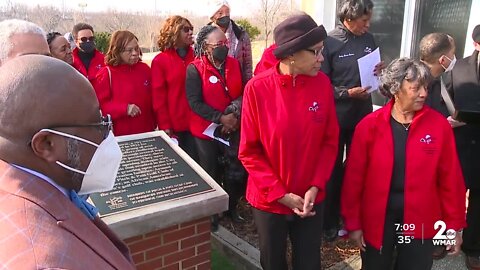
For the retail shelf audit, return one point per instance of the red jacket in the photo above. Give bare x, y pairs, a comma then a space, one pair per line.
289, 137
97, 62
130, 85
267, 61
214, 91
434, 187
168, 88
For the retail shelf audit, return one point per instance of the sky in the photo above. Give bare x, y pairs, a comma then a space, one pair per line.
200, 7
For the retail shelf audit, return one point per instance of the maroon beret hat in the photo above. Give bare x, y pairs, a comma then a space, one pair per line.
295, 34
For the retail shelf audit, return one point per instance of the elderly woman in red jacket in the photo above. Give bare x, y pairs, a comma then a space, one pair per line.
214, 88
403, 177
123, 86
288, 145
169, 70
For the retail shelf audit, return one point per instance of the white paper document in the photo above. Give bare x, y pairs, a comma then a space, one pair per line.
366, 65
209, 132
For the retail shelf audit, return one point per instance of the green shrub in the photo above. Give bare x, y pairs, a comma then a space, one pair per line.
102, 40
252, 30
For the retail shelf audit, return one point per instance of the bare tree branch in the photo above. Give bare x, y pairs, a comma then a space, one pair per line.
272, 12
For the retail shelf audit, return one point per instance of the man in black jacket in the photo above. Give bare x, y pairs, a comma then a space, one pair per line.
437, 51
465, 85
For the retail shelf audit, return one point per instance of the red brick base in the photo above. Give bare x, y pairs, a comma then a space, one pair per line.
185, 246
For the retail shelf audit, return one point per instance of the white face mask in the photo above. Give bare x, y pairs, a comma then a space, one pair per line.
102, 170
452, 63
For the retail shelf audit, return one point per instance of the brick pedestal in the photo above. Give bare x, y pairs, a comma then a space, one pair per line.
184, 246
173, 234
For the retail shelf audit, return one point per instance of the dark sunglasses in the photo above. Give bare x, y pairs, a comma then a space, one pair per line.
87, 39
187, 29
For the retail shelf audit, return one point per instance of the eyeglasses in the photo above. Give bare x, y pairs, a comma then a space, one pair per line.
218, 44
187, 29
87, 39
104, 126
315, 52
131, 50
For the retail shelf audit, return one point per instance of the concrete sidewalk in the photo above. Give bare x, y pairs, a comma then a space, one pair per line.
450, 263
246, 257
447, 263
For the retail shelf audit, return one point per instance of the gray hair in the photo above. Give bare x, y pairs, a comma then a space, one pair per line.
8, 28
401, 69
353, 9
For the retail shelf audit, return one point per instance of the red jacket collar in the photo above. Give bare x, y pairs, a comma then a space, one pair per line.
173, 52
386, 111
288, 80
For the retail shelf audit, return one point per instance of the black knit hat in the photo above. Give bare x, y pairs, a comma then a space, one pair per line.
476, 34
295, 34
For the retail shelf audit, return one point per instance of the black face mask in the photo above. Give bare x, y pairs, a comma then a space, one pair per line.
220, 53
223, 22
87, 47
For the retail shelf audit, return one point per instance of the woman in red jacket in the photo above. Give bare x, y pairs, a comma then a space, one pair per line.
168, 81
123, 86
288, 145
214, 87
267, 61
403, 177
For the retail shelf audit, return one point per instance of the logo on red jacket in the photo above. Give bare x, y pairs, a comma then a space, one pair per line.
428, 144
317, 116
146, 83
427, 139
99, 66
314, 107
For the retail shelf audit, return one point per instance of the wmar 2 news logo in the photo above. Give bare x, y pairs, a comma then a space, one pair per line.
443, 238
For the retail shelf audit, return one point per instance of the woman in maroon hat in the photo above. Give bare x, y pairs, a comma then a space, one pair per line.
288, 145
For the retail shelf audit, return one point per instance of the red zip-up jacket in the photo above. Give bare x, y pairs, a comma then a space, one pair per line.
130, 85
218, 92
434, 187
267, 61
168, 89
97, 62
289, 137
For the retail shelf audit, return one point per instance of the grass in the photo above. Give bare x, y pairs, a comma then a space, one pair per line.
220, 262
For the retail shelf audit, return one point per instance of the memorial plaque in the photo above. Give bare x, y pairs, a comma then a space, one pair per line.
150, 172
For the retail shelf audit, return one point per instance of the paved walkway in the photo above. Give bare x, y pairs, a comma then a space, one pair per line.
448, 263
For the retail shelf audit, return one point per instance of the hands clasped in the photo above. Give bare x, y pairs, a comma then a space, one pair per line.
303, 207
